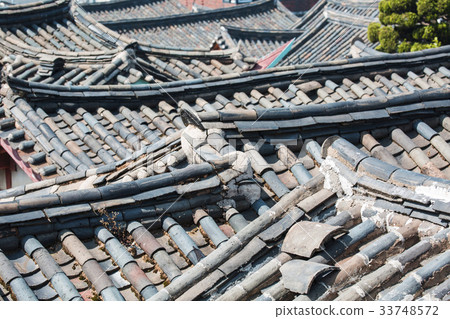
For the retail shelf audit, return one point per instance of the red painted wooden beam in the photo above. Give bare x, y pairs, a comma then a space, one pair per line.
16, 158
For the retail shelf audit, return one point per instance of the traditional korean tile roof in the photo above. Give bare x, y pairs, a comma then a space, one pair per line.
378, 217
199, 30
132, 9
119, 131
254, 34
330, 27
254, 42
66, 47
321, 181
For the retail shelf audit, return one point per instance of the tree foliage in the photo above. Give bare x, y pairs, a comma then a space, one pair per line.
408, 25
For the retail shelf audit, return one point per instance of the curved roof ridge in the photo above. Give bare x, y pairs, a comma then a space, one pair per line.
361, 46
119, 9
33, 12
114, 3
311, 14
166, 51
267, 32
202, 15
377, 62
353, 3
255, 43
329, 27
33, 5
180, 52
81, 22
347, 18
80, 14
358, 161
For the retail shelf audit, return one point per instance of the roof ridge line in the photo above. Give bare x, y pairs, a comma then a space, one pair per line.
114, 3
273, 32
196, 16
252, 77
348, 18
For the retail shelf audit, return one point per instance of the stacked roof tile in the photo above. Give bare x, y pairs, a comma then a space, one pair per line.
66, 47
254, 42
322, 181
330, 27
197, 30
323, 34
126, 9
257, 29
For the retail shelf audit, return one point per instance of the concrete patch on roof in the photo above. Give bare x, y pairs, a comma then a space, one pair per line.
435, 191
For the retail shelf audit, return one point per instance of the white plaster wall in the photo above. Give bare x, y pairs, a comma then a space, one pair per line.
18, 178
2, 179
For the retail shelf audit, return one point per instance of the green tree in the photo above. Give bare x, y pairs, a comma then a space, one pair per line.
408, 25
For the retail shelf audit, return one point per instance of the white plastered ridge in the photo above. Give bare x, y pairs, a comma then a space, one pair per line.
334, 181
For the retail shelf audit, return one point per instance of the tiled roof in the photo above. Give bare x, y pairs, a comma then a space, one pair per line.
330, 27
257, 29
133, 9
254, 42
199, 30
378, 217
56, 30
66, 47
208, 189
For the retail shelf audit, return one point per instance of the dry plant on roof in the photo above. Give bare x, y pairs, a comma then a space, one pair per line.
118, 229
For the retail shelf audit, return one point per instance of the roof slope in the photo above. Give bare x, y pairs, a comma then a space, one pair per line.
132, 9
378, 217
330, 27
208, 189
199, 30
64, 46
255, 42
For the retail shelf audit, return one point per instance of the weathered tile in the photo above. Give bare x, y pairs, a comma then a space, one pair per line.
197, 237
96, 251
306, 238
88, 295
179, 260
154, 277
108, 266
298, 275
61, 257
119, 281
288, 179
36, 280
46, 293
145, 264
24, 264
72, 270
129, 295
206, 250
81, 285
165, 242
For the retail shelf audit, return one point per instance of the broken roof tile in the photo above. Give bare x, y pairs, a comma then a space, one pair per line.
298, 275
305, 238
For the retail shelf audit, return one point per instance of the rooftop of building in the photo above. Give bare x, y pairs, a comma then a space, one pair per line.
222, 186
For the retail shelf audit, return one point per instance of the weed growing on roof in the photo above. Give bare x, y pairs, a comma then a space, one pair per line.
109, 221
8, 287
172, 244
95, 296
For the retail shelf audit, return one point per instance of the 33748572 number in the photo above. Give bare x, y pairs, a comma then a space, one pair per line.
409, 310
